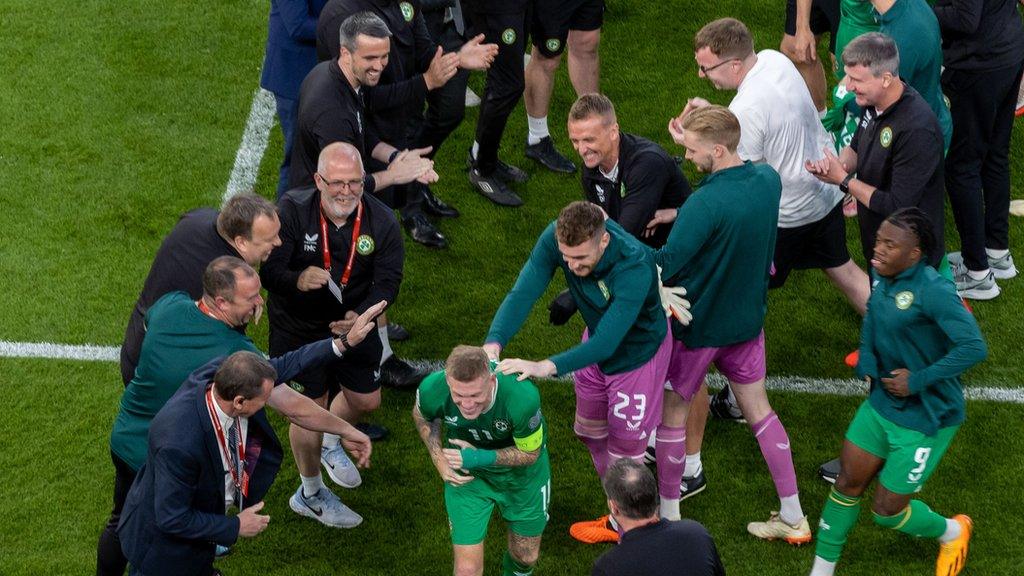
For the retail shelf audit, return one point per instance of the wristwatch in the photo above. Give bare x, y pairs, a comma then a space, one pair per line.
844, 186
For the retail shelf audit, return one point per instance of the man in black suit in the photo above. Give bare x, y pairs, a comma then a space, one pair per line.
211, 446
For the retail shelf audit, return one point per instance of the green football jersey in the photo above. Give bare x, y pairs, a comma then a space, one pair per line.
513, 419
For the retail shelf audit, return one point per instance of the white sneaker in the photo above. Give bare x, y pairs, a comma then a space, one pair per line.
776, 529
1002, 268
973, 288
340, 467
325, 507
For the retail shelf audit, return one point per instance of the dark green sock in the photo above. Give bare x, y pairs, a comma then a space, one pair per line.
512, 568
917, 520
837, 518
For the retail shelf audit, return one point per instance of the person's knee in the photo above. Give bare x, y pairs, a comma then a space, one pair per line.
584, 45
468, 567
619, 447
887, 518
848, 486
546, 62
363, 402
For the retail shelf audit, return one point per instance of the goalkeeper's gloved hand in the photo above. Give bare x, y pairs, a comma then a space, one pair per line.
673, 302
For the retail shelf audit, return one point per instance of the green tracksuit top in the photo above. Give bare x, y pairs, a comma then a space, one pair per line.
720, 249
618, 300
916, 321
164, 364
914, 27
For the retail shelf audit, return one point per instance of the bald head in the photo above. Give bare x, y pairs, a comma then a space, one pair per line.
339, 153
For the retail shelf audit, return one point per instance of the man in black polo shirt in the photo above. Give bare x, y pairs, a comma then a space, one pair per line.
331, 109
246, 227
341, 252
895, 158
636, 181
415, 65
651, 546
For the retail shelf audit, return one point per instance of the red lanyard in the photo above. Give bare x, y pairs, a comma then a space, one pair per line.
351, 249
204, 308
239, 477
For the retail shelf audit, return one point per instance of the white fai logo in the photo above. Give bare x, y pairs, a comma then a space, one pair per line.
309, 245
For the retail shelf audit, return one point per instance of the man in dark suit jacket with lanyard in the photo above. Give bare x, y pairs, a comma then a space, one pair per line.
209, 447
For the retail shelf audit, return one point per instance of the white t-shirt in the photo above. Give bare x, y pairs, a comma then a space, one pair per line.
780, 126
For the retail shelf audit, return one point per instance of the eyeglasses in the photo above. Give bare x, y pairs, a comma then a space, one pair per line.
720, 64
353, 186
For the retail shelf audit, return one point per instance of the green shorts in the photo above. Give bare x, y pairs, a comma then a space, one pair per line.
910, 456
524, 506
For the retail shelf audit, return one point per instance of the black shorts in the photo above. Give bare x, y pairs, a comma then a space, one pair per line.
820, 244
357, 370
551, 21
824, 18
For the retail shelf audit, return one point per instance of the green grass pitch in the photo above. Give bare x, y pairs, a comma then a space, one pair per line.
118, 117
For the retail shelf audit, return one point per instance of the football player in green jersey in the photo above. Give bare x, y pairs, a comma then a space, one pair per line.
492, 453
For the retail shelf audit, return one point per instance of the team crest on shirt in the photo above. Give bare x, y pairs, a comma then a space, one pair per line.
553, 44
885, 138
365, 245
309, 243
501, 425
407, 11
297, 387
508, 36
622, 190
904, 299
604, 289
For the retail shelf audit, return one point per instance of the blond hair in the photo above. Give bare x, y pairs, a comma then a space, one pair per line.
715, 125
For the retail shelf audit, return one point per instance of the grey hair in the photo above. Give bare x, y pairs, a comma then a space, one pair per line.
365, 23
874, 50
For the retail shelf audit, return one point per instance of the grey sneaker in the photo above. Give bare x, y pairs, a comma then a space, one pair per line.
974, 289
325, 507
340, 467
1002, 268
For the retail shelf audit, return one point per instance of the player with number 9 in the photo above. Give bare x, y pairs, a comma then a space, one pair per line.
916, 340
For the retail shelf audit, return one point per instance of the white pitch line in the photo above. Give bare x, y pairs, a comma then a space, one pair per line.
254, 144
817, 386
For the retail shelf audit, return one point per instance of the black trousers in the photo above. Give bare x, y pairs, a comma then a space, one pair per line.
446, 106
110, 560
978, 164
505, 81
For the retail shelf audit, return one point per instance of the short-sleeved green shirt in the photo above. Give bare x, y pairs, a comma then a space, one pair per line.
514, 419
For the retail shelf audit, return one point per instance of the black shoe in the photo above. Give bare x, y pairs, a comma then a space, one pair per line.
829, 471
400, 375
397, 332
505, 172
510, 173
434, 205
723, 409
494, 189
423, 231
549, 156
375, 432
692, 486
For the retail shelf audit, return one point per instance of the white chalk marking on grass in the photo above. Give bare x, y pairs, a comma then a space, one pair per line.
254, 144
818, 386
52, 351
